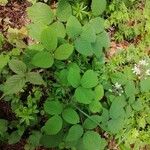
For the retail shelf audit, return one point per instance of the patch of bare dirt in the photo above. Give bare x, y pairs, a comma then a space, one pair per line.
13, 15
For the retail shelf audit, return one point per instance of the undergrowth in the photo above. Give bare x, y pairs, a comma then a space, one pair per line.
64, 92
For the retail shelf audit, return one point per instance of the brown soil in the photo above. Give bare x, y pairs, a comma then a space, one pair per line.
13, 15
6, 112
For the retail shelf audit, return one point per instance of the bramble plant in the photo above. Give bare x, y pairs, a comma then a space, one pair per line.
64, 92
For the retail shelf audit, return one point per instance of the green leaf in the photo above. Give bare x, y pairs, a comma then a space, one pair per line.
74, 75
75, 132
93, 141
115, 125
3, 126
14, 84
62, 77
116, 109
92, 122
98, 24
60, 29
83, 95
137, 105
97, 47
43, 60
70, 116
15, 136
53, 107
4, 59
99, 92
95, 106
98, 7
63, 52
17, 66
34, 78
53, 125
83, 47
64, 10
89, 79
51, 141
145, 85
88, 33
104, 40
130, 89
32, 30
49, 38
40, 12
73, 27
34, 138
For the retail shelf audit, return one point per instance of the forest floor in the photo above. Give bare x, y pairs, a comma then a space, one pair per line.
14, 15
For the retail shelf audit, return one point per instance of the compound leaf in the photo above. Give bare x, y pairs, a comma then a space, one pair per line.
63, 52
43, 60
17, 66
70, 116
53, 125
89, 79
83, 95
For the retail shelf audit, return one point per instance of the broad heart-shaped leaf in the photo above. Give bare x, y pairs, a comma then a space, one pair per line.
64, 10
97, 47
73, 27
98, 7
60, 29
95, 106
98, 24
70, 116
145, 85
117, 108
17, 66
64, 51
14, 84
43, 59
130, 89
115, 125
32, 30
99, 92
53, 125
75, 132
89, 79
40, 12
83, 95
104, 39
83, 47
49, 38
88, 33
53, 107
92, 122
74, 75
93, 141
34, 78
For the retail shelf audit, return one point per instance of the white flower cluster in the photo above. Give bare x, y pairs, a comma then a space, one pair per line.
141, 69
117, 89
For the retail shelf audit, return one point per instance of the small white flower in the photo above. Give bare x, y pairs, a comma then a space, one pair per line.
148, 72
136, 70
143, 62
117, 85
